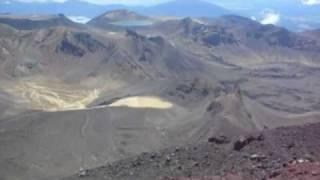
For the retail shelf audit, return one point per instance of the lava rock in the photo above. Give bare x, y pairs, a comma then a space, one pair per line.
219, 140
244, 141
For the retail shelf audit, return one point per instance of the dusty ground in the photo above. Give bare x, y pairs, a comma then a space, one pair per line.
279, 154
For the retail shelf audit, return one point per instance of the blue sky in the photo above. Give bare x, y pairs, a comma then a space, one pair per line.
222, 2
127, 2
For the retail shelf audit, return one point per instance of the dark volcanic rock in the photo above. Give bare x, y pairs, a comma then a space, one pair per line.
219, 38
244, 141
263, 158
219, 140
214, 107
87, 41
68, 48
79, 44
134, 34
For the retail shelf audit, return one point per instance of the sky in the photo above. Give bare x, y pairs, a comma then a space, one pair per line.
149, 2
127, 2
264, 11
311, 2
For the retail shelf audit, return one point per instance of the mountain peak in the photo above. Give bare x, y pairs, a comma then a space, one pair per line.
105, 19
186, 8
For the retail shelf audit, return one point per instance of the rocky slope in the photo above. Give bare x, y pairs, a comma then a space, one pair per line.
282, 153
240, 41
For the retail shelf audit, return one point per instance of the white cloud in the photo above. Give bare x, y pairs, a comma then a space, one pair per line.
253, 18
270, 17
79, 19
310, 2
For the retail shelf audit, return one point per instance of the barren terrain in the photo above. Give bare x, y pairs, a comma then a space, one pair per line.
80, 97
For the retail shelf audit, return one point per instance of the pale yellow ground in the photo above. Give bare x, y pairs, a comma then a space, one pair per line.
143, 102
56, 96
53, 96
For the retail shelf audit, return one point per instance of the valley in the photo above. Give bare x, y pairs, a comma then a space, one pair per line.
75, 97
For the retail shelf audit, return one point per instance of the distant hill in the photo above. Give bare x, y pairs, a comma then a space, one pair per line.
36, 22
69, 8
186, 8
80, 8
312, 33
107, 19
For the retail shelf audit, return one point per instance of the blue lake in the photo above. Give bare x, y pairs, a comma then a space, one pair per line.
133, 23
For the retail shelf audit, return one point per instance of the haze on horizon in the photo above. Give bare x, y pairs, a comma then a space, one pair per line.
293, 14
149, 2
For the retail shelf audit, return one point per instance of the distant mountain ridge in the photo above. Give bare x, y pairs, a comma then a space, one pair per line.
117, 15
186, 8
293, 15
36, 22
80, 8
239, 40
69, 8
